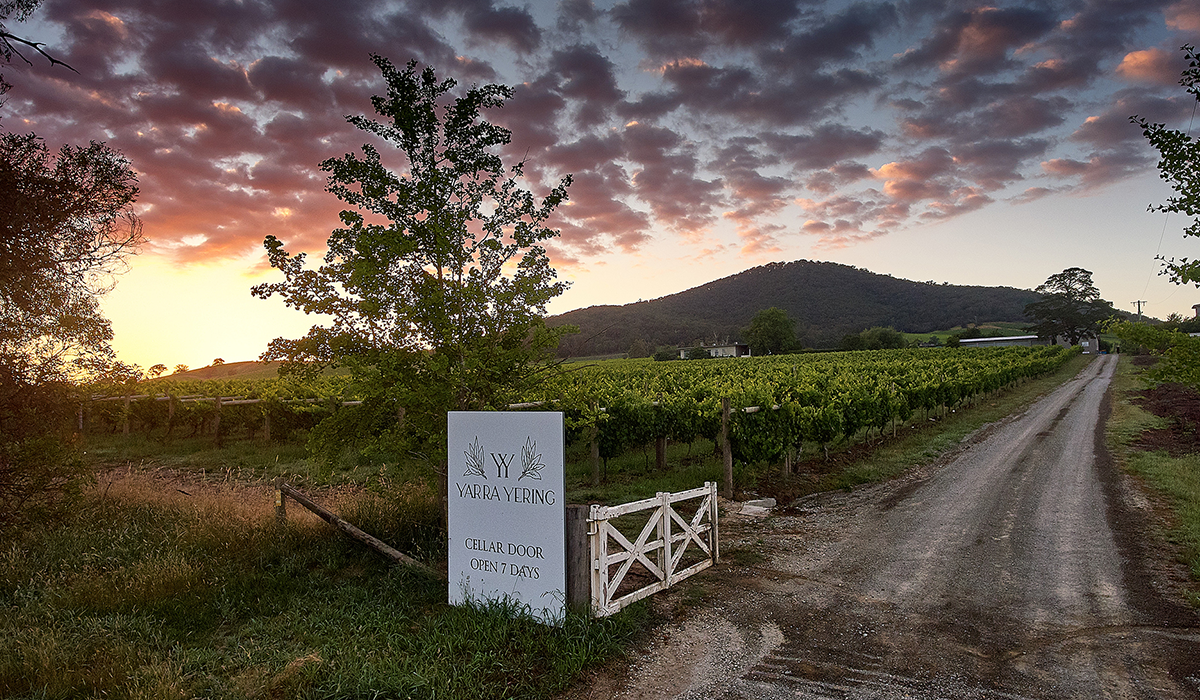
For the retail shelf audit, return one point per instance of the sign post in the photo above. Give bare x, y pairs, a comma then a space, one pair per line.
507, 510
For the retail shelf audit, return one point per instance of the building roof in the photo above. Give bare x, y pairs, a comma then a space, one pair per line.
998, 338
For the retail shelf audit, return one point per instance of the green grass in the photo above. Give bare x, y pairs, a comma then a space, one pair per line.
1175, 478
1004, 327
144, 592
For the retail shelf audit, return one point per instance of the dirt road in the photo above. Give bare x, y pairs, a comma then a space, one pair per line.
1017, 568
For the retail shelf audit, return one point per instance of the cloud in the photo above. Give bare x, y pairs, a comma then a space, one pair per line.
824, 146
485, 22
1150, 66
1183, 16
721, 123
669, 180
979, 40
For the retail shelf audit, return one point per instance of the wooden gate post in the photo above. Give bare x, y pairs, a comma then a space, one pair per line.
579, 561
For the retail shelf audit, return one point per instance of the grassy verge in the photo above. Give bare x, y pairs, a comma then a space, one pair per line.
1177, 479
148, 592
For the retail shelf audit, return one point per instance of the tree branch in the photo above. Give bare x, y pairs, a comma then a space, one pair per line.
8, 40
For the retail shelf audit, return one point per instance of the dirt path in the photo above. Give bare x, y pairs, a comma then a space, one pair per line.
1014, 569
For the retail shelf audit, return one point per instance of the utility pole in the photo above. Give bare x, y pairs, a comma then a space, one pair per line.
1139, 305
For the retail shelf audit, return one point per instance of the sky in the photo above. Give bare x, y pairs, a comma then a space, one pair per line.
968, 143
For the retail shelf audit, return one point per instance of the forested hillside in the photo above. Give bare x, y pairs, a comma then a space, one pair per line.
827, 301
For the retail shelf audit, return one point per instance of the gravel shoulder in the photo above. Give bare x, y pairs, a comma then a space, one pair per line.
1018, 566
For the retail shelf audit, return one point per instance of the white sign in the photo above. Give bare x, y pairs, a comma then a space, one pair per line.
507, 510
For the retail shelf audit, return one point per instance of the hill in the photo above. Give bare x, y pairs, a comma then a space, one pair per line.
250, 369
827, 301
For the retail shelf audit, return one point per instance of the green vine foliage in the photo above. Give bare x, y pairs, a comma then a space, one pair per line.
802, 398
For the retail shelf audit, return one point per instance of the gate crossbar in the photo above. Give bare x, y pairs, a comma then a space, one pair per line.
659, 547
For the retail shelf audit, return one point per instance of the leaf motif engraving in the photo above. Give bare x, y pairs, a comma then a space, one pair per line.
531, 461
474, 455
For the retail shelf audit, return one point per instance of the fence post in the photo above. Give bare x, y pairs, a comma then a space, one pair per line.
579, 563
125, 428
217, 439
660, 453
280, 504
726, 450
596, 454
266, 422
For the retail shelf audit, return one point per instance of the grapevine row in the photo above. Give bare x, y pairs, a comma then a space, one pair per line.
813, 398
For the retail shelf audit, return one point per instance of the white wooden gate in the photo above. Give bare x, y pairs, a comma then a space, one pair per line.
661, 556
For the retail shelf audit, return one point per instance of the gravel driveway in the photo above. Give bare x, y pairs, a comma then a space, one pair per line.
1018, 567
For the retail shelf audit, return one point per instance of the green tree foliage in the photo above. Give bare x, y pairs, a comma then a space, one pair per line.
1180, 353
1070, 307
665, 353
638, 348
437, 283
771, 332
66, 227
877, 338
698, 352
1179, 155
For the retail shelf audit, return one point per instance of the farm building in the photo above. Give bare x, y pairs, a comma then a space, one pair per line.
1091, 346
727, 350
1003, 341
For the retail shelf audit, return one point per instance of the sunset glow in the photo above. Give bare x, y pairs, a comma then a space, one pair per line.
973, 144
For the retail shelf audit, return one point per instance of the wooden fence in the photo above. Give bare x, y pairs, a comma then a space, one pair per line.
659, 549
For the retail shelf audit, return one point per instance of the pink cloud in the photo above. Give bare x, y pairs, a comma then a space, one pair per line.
1150, 66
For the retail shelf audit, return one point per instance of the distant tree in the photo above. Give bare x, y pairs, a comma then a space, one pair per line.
638, 348
880, 338
217, 362
877, 338
439, 307
1179, 154
771, 332
1070, 307
697, 353
852, 341
180, 369
665, 353
156, 370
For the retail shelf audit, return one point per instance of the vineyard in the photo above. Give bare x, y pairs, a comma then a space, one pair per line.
166, 408
778, 404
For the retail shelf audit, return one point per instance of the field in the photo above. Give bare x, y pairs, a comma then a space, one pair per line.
171, 579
